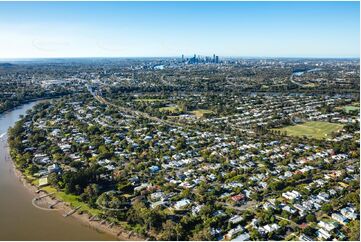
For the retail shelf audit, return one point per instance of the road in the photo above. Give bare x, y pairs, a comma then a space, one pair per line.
152, 118
296, 83
137, 113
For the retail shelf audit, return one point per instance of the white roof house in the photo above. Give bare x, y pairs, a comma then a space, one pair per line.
182, 203
235, 219
321, 233
291, 195
270, 228
242, 237
339, 218
349, 213
327, 226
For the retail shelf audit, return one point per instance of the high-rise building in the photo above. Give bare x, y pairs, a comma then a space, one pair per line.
196, 59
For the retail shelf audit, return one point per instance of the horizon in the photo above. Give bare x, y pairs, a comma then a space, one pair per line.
173, 57
60, 30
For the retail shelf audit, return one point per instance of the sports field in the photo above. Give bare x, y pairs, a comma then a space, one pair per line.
312, 129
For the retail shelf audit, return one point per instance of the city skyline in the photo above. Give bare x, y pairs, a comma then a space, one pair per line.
170, 29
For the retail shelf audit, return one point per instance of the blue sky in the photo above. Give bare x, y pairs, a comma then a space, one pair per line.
124, 29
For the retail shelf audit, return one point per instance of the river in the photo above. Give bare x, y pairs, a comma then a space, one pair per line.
300, 73
19, 219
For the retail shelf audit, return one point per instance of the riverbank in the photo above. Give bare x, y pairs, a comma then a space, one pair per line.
20, 219
27, 101
62, 208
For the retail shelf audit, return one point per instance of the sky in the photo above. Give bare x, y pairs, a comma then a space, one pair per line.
160, 29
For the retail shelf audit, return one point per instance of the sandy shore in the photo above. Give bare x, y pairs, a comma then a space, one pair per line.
62, 208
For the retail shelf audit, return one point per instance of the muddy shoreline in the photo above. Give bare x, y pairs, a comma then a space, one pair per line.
62, 208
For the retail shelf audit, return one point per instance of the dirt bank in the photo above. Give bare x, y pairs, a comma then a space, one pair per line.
62, 208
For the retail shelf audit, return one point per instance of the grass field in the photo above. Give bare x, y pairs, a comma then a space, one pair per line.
72, 199
201, 112
312, 129
350, 108
171, 109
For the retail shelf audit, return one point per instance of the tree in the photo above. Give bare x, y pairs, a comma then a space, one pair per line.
170, 231
203, 234
327, 208
310, 218
254, 234
283, 223
53, 179
152, 218
126, 187
137, 213
76, 164
277, 185
75, 182
309, 231
354, 234
91, 193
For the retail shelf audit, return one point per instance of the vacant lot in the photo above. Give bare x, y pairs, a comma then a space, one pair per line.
313, 129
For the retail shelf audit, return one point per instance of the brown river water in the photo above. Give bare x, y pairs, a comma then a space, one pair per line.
19, 219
